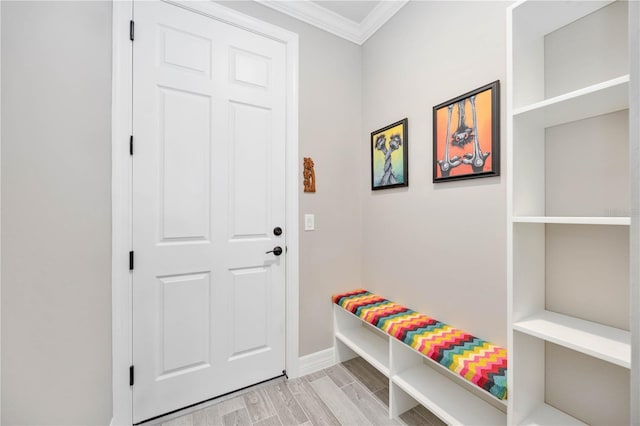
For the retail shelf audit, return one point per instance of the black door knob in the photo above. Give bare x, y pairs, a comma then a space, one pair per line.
277, 231
276, 250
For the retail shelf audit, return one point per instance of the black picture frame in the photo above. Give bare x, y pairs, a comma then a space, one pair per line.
389, 150
463, 125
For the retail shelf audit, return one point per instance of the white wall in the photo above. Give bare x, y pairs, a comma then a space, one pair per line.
437, 248
56, 217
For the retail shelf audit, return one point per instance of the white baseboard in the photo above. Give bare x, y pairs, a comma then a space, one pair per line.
316, 361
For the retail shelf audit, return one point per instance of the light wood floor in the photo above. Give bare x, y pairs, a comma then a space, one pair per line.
350, 394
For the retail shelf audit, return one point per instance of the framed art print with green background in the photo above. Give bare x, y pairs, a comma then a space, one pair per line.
389, 156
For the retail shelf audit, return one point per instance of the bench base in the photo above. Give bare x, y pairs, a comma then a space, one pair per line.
413, 377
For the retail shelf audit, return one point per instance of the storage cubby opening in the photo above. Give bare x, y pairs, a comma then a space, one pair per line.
362, 339
445, 398
587, 168
409, 364
559, 47
587, 272
587, 51
589, 389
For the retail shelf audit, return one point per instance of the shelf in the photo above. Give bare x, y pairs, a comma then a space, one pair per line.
445, 399
591, 101
600, 341
372, 348
547, 415
571, 220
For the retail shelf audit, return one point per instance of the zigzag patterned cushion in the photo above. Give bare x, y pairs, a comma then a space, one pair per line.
478, 361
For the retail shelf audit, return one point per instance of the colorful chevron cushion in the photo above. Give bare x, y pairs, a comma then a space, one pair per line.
480, 362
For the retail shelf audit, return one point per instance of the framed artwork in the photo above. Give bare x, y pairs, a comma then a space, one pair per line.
466, 135
389, 156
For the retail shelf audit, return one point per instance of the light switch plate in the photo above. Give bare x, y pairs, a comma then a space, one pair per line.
309, 222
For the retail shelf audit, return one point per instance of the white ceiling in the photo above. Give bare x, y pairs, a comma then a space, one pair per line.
354, 20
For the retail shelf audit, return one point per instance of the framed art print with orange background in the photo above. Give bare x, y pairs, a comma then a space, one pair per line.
466, 135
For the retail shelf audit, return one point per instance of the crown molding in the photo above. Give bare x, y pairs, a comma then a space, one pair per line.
378, 17
316, 15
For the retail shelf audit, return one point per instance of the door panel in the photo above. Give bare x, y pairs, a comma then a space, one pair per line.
184, 334
185, 145
184, 50
250, 68
251, 181
208, 188
250, 306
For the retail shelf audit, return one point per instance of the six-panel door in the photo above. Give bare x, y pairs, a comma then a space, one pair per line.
208, 189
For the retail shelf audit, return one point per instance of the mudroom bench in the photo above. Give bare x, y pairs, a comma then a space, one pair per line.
458, 377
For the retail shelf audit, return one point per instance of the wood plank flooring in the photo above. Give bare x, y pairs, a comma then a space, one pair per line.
350, 394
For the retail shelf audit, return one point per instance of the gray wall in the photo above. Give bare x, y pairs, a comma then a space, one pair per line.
56, 213
330, 133
438, 248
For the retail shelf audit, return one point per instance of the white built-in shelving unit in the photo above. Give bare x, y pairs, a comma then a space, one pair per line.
413, 378
569, 198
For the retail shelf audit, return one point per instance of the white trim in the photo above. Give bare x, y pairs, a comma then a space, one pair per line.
378, 17
292, 206
121, 190
330, 21
316, 15
0, 214
634, 235
317, 361
509, 225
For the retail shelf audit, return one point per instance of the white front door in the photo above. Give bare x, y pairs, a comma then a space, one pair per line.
208, 192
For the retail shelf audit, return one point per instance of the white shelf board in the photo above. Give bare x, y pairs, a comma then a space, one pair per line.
537, 18
547, 415
450, 402
602, 98
572, 220
600, 341
372, 348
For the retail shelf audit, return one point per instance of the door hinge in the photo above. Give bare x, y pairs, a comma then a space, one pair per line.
131, 261
131, 30
131, 375
131, 145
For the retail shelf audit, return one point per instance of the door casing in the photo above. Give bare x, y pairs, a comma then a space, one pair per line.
122, 129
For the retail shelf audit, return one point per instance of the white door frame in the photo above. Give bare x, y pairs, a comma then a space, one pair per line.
121, 190
0, 216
